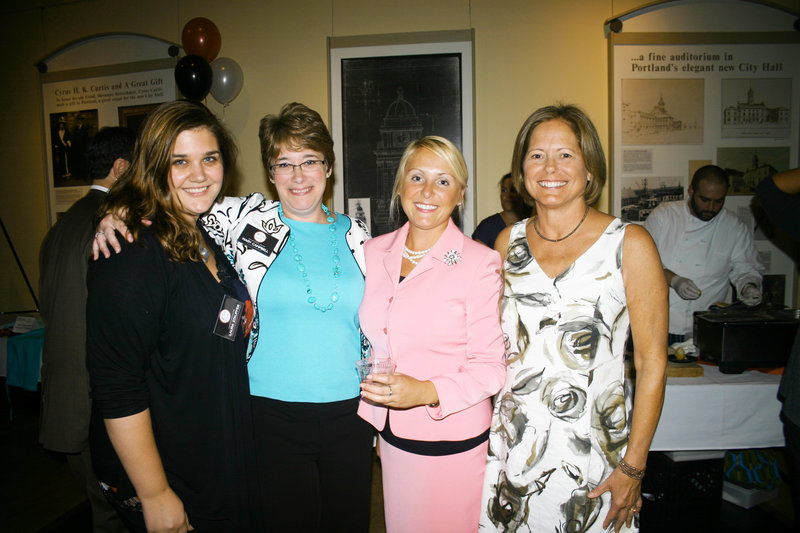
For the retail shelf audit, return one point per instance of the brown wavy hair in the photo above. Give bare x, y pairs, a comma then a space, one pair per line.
295, 127
588, 141
143, 192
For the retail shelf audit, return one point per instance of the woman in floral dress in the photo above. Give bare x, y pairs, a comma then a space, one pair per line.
569, 443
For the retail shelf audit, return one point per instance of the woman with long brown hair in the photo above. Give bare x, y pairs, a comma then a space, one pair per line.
167, 328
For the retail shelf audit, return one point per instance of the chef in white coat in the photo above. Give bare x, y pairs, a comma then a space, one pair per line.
703, 248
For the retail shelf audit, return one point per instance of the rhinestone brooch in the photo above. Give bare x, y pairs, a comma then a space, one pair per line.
452, 257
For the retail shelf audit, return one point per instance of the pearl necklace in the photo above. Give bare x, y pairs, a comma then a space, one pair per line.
413, 255
335, 263
565, 236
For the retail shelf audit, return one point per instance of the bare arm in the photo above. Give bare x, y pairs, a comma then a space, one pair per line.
648, 306
135, 445
788, 181
501, 243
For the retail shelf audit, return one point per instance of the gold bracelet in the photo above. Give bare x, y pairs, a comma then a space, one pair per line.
631, 471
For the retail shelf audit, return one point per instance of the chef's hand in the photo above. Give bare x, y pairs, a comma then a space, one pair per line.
750, 295
685, 288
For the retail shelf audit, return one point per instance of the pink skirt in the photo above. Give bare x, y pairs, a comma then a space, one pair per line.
432, 493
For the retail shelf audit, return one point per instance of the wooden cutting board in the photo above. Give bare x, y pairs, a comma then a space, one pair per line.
684, 370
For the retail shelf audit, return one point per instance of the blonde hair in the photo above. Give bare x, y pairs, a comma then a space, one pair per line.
441, 148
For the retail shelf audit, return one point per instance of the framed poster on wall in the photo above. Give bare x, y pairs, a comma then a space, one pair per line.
385, 91
102, 80
133, 116
76, 104
679, 101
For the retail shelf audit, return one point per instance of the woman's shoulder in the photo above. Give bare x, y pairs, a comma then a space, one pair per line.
637, 239
254, 200
506, 234
381, 241
356, 225
135, 262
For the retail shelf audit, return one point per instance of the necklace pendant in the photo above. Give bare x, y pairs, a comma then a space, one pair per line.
204, 253
335, 263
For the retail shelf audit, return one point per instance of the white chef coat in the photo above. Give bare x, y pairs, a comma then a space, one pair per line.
710, 253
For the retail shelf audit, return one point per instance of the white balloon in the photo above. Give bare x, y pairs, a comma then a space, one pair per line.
227, 79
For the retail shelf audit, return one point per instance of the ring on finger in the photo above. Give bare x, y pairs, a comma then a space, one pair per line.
390, 390
96, 233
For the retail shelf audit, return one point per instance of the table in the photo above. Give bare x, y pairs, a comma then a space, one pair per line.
720, 412
3, 355
21, 358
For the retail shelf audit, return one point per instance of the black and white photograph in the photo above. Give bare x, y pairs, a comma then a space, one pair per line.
76, 108
662, 111
640, 195
383, 97
387, 102
70, 135
359, 208
747, 166
756, 108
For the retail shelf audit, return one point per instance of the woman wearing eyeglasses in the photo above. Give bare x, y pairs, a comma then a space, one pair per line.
303, 266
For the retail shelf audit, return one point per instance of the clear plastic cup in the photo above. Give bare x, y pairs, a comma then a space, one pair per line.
364, 367
372, 365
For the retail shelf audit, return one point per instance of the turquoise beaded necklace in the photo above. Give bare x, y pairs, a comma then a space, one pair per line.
335, 263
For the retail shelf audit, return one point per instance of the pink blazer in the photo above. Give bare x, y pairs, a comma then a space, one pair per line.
440, 324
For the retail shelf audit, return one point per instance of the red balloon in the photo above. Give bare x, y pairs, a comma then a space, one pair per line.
201, 37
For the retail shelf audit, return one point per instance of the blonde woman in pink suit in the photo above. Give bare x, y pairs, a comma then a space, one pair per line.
431, 304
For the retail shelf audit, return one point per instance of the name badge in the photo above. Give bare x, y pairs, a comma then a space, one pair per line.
258, 239
228, 318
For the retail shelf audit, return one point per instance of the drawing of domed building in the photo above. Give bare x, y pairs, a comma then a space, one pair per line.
399, 126
658, 119
752, 112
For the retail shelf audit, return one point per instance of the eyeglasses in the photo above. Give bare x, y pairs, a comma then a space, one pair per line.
310, 166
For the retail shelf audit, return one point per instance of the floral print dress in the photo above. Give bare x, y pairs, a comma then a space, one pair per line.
561, 421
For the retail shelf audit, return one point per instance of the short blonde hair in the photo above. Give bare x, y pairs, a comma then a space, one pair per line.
591, 150
441, 148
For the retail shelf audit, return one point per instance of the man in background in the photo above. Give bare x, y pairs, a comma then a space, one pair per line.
66, 406
703, 247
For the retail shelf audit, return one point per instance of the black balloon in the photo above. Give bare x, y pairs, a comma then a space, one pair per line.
193, 76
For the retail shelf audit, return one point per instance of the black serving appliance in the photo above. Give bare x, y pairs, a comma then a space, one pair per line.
737, 338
